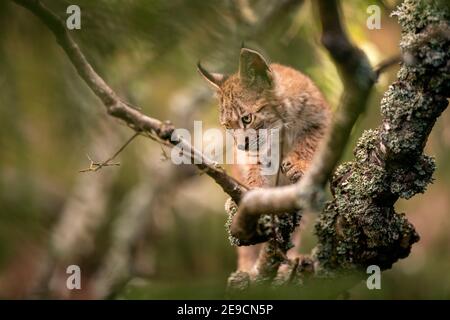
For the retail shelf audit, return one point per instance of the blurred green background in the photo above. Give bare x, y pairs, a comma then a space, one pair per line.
149, 229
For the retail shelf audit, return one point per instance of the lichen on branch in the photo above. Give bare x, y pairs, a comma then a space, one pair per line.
360, 227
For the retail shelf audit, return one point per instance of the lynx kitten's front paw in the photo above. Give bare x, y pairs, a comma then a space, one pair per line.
293, 172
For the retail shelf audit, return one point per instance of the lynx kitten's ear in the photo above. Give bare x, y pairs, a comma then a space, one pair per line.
254, 71
215, 79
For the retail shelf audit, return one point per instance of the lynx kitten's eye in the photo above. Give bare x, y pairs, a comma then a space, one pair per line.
247, 119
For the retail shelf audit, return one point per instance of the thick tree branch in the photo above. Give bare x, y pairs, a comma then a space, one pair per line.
358, 78
360, 227
154, 128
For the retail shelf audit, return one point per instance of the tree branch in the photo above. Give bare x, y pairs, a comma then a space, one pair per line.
358, 78
154, 128
386, 64
360, 227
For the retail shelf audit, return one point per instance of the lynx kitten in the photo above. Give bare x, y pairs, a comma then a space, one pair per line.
263, 96
270, 96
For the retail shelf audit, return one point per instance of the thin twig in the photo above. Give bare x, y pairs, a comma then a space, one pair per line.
95, 166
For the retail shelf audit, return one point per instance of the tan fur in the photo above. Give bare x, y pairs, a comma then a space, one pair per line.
276, 96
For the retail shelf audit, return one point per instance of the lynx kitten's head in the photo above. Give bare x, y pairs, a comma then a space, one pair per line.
247, 97
271, 97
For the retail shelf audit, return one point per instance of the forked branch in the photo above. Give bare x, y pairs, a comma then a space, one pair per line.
358, 78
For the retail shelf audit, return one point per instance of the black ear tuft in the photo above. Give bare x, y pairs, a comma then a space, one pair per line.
215, 79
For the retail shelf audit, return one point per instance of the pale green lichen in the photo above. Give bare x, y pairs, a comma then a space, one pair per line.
414, 15
410, 180
231, 209
366, 145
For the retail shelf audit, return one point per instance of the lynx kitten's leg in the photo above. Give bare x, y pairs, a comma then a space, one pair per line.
297, 161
